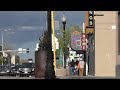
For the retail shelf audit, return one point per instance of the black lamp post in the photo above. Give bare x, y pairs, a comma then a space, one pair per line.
49, 73
64, 41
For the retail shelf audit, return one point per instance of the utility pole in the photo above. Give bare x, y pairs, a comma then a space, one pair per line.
49, 73
2, 48
54, 43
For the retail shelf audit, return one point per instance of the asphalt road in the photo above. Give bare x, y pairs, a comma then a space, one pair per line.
87, 77
60, 77
10, 77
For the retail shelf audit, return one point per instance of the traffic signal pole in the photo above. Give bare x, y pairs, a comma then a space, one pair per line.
54, 43
49, 73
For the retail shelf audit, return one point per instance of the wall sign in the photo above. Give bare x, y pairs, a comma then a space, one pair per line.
83, 41
76, 40
91, 18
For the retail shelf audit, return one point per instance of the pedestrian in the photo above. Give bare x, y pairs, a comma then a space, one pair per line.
81, 66
72, 67
76, 70
67, 61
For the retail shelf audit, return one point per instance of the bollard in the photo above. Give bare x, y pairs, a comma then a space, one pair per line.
40, 62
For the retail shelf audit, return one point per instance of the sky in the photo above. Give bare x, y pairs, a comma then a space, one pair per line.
22, 29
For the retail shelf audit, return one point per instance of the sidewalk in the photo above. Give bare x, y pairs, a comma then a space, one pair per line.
86, 77
62, 72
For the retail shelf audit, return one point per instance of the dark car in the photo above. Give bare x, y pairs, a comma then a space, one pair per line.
27, 69
14, 70
4, 70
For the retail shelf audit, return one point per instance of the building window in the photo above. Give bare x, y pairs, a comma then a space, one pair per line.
119, 32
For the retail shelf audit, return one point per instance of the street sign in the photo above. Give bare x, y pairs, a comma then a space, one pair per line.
24, 51
20, 50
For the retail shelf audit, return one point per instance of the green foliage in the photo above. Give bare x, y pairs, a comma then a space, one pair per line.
44, 40
68, 32
1, 59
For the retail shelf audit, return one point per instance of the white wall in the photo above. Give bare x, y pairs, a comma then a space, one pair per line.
105, 43
12, 59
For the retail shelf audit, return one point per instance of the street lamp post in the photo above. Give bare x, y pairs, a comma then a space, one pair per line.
64, 41
2, 47
49, 73
5, 30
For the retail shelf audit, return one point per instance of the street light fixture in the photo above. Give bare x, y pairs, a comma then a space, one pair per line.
64, 49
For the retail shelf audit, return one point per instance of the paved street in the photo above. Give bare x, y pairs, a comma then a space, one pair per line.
87, 77
7, 77
62, 77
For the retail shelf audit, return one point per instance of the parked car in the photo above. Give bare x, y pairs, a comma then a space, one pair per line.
14, 70
4, 70
26, 69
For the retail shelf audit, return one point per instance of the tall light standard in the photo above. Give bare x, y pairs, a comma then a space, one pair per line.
2, 47
3, 39
64, 41
5, 30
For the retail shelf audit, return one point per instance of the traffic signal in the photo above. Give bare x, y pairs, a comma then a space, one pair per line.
27, 50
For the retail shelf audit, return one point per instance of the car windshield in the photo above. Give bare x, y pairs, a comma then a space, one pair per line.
4, 67
28, 65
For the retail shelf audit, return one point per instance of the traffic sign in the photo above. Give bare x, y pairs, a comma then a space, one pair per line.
20, 50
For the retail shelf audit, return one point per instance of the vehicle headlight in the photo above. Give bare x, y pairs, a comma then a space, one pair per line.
17, 71
7, 71
32, 69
